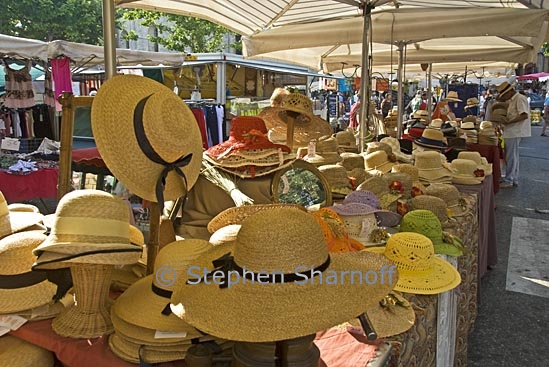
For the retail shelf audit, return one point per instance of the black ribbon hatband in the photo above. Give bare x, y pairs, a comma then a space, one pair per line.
226, 265
150, 153
22, 280
164, 294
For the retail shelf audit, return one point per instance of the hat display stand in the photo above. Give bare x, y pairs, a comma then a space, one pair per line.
90, 316
292, 116
298, 352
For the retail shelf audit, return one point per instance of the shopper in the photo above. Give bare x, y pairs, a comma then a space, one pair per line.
387, 104
515, 128
545, 116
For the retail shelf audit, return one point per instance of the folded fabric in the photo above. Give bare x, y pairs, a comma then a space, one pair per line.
23, 167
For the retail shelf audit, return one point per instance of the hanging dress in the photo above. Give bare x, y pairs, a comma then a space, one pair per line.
18, 87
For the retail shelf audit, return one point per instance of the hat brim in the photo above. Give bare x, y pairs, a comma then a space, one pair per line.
453, 99
20, 299
137, 353
49, 260
290, 310
16, 221
19, 352
467, 180
427, 145
444, 277
112, 120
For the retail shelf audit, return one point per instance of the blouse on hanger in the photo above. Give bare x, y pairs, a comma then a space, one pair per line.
18, 87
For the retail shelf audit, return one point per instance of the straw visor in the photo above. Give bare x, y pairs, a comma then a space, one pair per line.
143, 130
290, 244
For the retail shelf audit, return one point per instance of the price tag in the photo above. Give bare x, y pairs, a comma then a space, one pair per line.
10, 144
159, 334
12, 322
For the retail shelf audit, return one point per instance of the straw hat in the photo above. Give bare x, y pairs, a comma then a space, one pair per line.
337, 178
19, 207
426, 223
21, 289
326, 152
436, 124
472, 102
466, 172
420, 271
481, 162
431, 138
351, 161
346, 141
378, 161
431, 168
451, 196
374, 146
361, 223
452, 96
307, 125
468, 124
147, 136
386, 218
146, 303
138, 353
12, 221
395, 148
90, 226
434, 204
505, 87
267, 243
335, 233
421, 115
15, 352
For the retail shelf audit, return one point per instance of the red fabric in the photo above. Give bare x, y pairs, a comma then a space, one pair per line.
201, 121
353, 121
39, 184
340, 348
88, 156
492, 155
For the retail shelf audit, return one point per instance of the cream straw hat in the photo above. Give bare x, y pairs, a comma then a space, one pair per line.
147, 136
280, 241
12, 221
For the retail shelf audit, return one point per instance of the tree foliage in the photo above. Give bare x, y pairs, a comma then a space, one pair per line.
48, 20
545, 49
179, 33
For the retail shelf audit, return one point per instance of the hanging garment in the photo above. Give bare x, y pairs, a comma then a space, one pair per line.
18, 87
201, 121
49, 96
220, 110
62, 79
211, 124
42, 123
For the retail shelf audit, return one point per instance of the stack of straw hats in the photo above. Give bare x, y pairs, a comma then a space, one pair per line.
325, 152
499, 112
487, 134
466, 172
248, 152
144, 327
396, 149
469, 131
452, 197
13, 218
346, 141
337, 178
481, 162
432, 167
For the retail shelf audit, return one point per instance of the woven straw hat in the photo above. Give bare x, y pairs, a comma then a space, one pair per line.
434, 204
472, 102
346, 141
407, 168
146, 303
420, 271
430, 167
21, 289
452, 96
422, 115
361, 223
404, 179
15, 352
480, 161
351, 161
144, 132
378, 161
468, 124
337, 178
486, 125
436, 124
12, 221
19, 207
431, 138
267, 243
395, 148
376, 185
374, 146
465, 172
504, 88
426, 223
90, 226
137, 353
326, 152
451, 196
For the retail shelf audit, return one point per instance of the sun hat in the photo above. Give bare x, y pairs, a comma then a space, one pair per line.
20, 207
395, 148
325, 152
374, 146
451, 196
335, 233
146, 303
436, 205
420, 270
351, 161
147, 136
422, 115
307, 125
504, 88
413, 171
267, 243
466, 172
431, 138
362, 223
378, 161
16, 352
90, 226
90, 316
472, 102
426, 223
386, 218
431, 168
452, 96
337, 178
435, 124
20, 288
481, 162
12, 221
346, 141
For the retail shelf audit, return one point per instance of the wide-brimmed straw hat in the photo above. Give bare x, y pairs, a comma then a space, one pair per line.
452, 96
451, 196
90, 226
12, 221
396, 149
481, 162
504, 88
472, 102
378, 161
147, 136
307, 126
20, 288
431, 138
466, 172
420, 270
431, 168
16, 352
426, 223
293, 306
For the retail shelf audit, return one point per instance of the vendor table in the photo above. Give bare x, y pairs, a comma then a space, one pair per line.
39, 184
491, 153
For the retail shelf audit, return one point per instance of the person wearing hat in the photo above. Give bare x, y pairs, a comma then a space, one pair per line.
515, 128
443, 110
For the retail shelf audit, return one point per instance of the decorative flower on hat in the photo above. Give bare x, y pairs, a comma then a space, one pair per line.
252, 136
396, 187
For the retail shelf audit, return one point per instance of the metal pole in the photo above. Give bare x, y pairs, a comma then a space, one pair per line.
429, 92
400, 101
109, 38
365, 76
221, 82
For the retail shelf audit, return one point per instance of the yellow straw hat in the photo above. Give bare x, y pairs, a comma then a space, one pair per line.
12, 221
147, 136
280, 243
420, 271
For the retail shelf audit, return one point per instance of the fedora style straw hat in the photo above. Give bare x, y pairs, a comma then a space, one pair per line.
452, 96
90, 226
422, 115
290, 305
472, 102
146, 303
20, 288
147, 136
431, 138
426, 223
16, 352
307, 126
12, 221
451, 196
436, 124
504, 88
466, 172
420, 271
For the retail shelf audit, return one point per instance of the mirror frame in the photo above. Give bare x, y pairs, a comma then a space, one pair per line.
300, 163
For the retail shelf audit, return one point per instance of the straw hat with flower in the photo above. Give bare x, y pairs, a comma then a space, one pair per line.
451, 196
147, 136
466, 172
290, 304
12, 221
420, 271
20, 288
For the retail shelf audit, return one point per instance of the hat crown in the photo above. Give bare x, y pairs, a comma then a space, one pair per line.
16, 255
393, 143
298, 102
241, 125
360, 226
376, 185
326, 144
436, 123
363, 197
424, 222
428, 160
280, 240
447, 192
419, 114
433, 134
411, 252
472, 156
374, 146
464, 167
432, 203
407, 168
375, 159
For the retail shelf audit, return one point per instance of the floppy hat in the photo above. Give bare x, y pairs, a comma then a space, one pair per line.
20, 288
452, 96
12, 221
147, 136
504, 88
466, 172
90, 226
267, 242
451, 196
431, 138
364, 197
420, 271
16, 352
395, 147
307, 126
426, 223
337, 178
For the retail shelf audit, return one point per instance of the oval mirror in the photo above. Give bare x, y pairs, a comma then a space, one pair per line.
303, 184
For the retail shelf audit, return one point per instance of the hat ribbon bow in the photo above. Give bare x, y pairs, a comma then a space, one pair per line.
149, 151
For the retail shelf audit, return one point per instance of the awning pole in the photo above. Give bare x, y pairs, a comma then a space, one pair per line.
365, 77
109, 38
